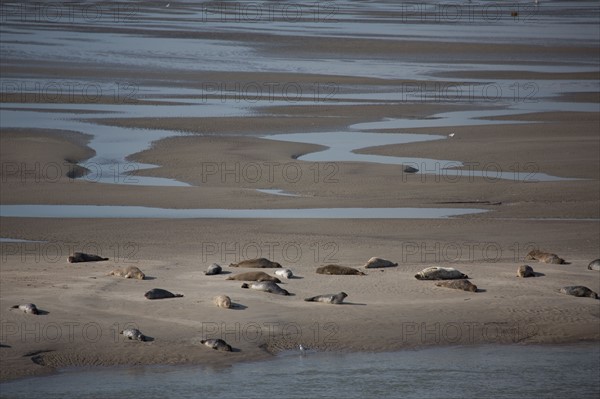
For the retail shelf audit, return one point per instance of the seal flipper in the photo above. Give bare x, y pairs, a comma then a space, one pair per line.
245, 285
311, 299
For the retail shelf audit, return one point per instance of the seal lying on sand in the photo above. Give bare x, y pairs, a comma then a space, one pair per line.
214, 269
222, 301
266, 286
159, 293
83, 257
133, 333
378, 262
328, 298
594, 265
285, 273
254, 276
128, 272
439, 273
525, 271
258, 263
27, 308
461, 284
544, 257
578, 290
339, 270
217, 344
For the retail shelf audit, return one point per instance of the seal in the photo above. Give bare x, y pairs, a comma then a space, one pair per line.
525, 271
159, 293
439, 273
217, 344
339, 270
77, 257
461, 284
544, 257
378, 262
328, 298
128, 272
214, 269
266, 286
27, 308
594, 265
579, 290
263, 263
222, 301
285, 273
134, 334
254, 276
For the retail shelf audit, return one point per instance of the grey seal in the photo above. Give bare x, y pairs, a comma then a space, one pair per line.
440, 273
217, 344
525, 271
594, 265
285, 273
159, 293
461, 284
214, 269
134, 334
77, 257
339, 270
544, 257
222, 301
263, 263
378, 262
27, 308
266, 286
128, 272
579, 290
328, 298
254, 276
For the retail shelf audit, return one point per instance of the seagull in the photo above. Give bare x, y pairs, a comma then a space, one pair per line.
302, 349
168, 5
451, 135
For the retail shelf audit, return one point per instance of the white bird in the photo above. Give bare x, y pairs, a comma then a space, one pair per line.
451, 135
302, 349
168, 5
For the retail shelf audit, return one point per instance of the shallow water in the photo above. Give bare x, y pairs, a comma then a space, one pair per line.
502, 372
114, 211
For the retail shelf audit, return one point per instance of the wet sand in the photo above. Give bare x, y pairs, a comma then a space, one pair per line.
387, 309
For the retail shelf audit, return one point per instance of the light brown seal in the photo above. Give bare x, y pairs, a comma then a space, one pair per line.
525, 271
378, 262
440, 273
339, 270
254, 276
222, 301
579, 290
328, 298
128, 272
462, 284
263, 263
83, 257
544, 257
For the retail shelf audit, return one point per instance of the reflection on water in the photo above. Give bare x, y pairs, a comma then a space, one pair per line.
503, 372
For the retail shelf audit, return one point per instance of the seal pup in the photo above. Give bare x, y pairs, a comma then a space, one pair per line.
217, 344
266, 286
339, 270
440, 273
254, 276
159, 293
544, 257
578, 290
594, 265
375, 262
83, 257
285, 273
128, 272
214, 269
461, 284
222, 301
525, 271
263, 263
328, 298
134, 334
27, 308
